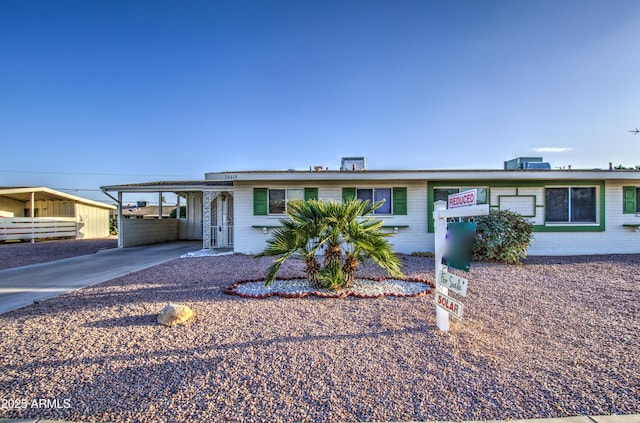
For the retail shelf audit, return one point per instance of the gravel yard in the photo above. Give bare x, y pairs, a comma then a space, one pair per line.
555, 337
15, 254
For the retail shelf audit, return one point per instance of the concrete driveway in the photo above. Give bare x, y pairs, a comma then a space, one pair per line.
21, 286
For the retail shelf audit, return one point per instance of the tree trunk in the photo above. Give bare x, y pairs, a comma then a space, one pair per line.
332, 256
349, 270
313, 267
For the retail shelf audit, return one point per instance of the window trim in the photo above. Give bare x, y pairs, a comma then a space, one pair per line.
569, 208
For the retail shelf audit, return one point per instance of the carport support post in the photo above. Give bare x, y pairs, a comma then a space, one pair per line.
120, 243
33, 208
440, 237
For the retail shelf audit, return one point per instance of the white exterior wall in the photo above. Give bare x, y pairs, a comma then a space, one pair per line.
251, 240
148, 231
47, 208
191, 226
615, 238
93, 222
11, 208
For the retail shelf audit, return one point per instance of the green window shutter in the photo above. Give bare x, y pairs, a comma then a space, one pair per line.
400, 200
348, 194
260, 201
310, 194
629, 200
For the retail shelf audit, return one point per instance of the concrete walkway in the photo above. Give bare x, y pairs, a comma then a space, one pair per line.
21, 286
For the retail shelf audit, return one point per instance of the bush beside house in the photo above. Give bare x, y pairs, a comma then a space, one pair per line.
502, 236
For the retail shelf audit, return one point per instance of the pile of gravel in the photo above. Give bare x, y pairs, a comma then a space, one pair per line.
553, 337
299, 287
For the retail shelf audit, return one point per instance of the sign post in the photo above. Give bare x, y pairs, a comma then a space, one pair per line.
460, 205
440, 233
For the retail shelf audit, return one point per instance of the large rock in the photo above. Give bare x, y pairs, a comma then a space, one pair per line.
174, 314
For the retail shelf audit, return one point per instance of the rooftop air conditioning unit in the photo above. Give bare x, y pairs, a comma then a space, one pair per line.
353, 163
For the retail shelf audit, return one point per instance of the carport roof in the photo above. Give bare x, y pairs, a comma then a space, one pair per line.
48, 194
175, 186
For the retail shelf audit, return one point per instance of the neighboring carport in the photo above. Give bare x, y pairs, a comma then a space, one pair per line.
187, 226
30, 213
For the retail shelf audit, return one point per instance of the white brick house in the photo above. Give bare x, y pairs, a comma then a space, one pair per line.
574, 211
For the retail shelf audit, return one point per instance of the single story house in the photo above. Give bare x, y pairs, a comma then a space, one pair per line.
29, 213
574, 212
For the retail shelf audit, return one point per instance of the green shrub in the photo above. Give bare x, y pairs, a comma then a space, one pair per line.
183, 213
502, 236
113, 225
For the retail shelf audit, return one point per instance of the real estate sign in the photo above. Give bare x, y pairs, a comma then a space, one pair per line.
452, 247
463, 199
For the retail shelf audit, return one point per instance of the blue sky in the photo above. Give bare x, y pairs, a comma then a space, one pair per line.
104, 92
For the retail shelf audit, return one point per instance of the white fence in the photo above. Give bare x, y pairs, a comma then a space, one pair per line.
27, 228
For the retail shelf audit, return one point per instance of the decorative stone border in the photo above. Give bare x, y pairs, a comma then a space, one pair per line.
233, 290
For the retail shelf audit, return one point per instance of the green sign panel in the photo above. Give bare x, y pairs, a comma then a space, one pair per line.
459, 245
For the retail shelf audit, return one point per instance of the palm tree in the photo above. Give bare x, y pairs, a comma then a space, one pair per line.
338, 228
364, 239
298, 235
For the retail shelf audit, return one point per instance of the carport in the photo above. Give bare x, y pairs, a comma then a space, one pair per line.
30, 213
200, 221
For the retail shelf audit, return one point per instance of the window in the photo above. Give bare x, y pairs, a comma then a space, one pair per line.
630, 200
570, 205
395, 199
274, 201
374, 195
277, 201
